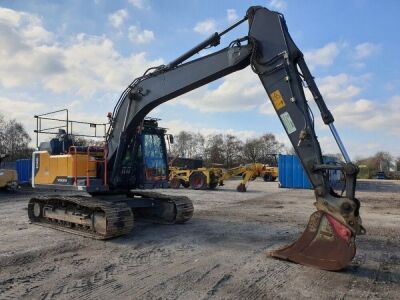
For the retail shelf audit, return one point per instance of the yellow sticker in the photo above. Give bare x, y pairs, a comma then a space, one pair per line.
277, 100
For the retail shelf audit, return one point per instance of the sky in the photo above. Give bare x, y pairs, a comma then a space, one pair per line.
81, 55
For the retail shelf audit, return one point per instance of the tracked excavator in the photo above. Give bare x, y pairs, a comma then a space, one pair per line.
328, 241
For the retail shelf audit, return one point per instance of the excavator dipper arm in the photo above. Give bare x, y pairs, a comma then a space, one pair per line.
329, 239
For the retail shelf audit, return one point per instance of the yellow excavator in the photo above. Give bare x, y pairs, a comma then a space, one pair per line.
135, 156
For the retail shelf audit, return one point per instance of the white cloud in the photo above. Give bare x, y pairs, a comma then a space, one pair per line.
267, 108
10, 17
175, 126
322, 56
278, 4
140, 4
365, 50
231, 15
93, 65
342, 95
336, 88
138, 36
240, 91
206, 27
29, 27
31, 56
117, 18
284, 139
23, 111
369, 115
19, 109
26, 49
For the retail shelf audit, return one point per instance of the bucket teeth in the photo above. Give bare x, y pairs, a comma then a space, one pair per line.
325, 244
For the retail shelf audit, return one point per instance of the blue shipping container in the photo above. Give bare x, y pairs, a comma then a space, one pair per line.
291, 173
24, 170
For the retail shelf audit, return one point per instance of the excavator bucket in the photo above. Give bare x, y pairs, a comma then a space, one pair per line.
325, 244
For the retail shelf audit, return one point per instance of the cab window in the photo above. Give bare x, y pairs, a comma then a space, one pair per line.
154, 158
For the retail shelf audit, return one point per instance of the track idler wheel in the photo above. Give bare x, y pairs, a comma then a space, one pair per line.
325, 244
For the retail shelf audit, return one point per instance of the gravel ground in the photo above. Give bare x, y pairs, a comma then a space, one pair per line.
219, 254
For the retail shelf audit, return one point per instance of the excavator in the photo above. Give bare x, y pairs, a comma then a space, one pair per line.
136, 151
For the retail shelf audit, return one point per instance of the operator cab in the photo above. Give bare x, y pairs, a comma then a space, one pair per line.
145, 163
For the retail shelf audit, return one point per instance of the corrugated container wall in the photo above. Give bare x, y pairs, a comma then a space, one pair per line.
24, 170
291, 173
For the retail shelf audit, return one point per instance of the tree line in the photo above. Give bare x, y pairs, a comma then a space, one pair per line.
226, 149
379, 162
14, 140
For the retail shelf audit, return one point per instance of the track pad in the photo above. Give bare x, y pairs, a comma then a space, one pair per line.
325, 244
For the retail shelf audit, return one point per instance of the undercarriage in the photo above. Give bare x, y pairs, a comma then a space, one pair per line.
104, 217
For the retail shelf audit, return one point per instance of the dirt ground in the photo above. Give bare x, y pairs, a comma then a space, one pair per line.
219, 254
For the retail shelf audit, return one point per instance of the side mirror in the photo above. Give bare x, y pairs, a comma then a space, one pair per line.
171, 138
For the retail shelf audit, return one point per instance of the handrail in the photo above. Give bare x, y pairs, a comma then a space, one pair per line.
66, 124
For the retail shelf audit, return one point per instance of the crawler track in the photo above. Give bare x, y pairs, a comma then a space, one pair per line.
118, 217
182, 207
104, 219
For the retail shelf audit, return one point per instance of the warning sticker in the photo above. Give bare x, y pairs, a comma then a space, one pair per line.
277, 100
287, 122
